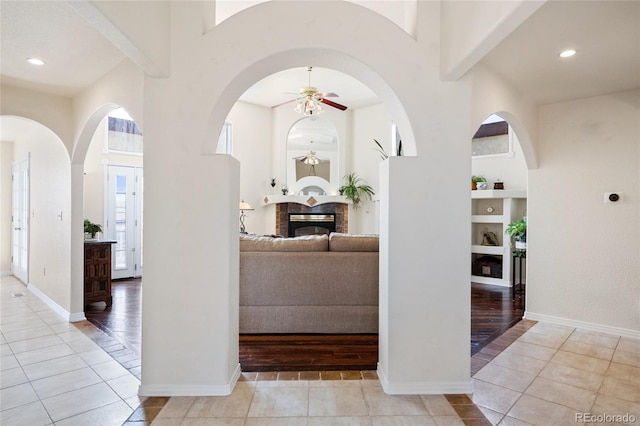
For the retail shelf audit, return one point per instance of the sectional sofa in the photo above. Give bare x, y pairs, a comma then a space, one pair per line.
310, 284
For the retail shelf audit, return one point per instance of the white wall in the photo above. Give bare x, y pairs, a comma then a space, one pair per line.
584, 254
368, 124
251, 129
6, 160
94, 177
50, 208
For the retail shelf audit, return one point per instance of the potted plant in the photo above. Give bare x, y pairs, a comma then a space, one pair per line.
383, 153
91, 229
355, 188
478, 182
517, 230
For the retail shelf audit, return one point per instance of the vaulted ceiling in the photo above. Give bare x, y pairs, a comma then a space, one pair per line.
606, 35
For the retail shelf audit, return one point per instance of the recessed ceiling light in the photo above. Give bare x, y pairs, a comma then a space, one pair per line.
567, 53
35, 61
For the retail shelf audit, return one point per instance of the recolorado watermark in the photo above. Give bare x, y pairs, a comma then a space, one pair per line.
605, 418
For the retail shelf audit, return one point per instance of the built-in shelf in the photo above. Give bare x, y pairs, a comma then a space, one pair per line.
498, 193
486, 218
492, 211
495, 250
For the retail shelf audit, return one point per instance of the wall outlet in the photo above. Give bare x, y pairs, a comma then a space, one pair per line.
612, 197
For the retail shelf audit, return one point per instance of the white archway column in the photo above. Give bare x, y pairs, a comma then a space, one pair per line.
77, 243
424, 338
191, 298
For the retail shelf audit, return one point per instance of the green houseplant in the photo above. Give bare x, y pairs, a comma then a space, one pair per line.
383, 153
91, 228
355, 189
477, 179
517, 230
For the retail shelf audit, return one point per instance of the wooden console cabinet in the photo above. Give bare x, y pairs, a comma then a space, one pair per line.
97, 272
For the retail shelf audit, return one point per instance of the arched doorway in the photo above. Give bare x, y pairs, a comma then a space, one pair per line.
113, 197
40, 210
344, 140
499, 198
416, 278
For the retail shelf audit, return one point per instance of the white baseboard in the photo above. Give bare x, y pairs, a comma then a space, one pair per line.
75, 317
191, 390
583, 325
5, 273
423, 388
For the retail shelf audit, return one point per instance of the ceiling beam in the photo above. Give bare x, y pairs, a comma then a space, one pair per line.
141, 30
471, 29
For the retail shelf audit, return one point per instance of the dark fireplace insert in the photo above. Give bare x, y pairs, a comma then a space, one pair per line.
311, 224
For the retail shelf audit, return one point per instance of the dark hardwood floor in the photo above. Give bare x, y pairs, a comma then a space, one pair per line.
308, 352
492, 313
494, 310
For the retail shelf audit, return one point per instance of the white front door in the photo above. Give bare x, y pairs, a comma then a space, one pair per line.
124, 220
20, 221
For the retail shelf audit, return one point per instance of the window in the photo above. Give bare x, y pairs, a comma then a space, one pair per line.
492, 139
225, 145
123, 135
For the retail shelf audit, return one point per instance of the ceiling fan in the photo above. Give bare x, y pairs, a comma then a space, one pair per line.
311, 159
310, 99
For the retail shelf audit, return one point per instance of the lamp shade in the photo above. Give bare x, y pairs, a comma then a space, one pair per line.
245, 206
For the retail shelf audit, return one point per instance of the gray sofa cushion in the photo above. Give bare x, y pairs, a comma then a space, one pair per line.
298, 244
349, 242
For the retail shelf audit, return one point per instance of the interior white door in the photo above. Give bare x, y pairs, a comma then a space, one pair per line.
138, 224
20, 220
123, 209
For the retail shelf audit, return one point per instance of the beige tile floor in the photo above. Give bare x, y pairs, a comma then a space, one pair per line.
52, 373
552, 374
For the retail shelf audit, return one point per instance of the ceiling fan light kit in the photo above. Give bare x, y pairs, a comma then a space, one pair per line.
310, 102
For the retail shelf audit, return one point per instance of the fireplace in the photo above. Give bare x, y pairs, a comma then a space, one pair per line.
311, 224
294, 219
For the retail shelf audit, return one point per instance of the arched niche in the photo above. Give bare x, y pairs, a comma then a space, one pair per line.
312, 156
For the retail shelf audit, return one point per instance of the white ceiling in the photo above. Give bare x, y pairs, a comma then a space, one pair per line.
605, 33
75, 54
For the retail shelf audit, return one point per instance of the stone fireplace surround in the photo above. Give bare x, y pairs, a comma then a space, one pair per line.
340, 210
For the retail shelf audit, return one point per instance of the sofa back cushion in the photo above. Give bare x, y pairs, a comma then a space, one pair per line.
349, 242
296, 244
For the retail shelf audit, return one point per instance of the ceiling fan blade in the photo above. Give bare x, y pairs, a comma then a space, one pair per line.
328, 95
333, 104
284, 103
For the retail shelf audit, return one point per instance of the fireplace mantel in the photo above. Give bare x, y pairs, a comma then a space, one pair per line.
293, 205
307, 200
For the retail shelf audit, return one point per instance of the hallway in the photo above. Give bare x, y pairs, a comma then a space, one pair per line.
534, 374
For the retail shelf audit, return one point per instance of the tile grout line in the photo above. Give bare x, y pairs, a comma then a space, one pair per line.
103, 342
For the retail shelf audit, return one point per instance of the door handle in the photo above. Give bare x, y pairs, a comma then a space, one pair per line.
17, 229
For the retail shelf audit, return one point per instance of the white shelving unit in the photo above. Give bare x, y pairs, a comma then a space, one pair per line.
492, 211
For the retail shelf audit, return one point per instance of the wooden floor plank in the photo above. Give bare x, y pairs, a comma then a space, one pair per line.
492, 313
